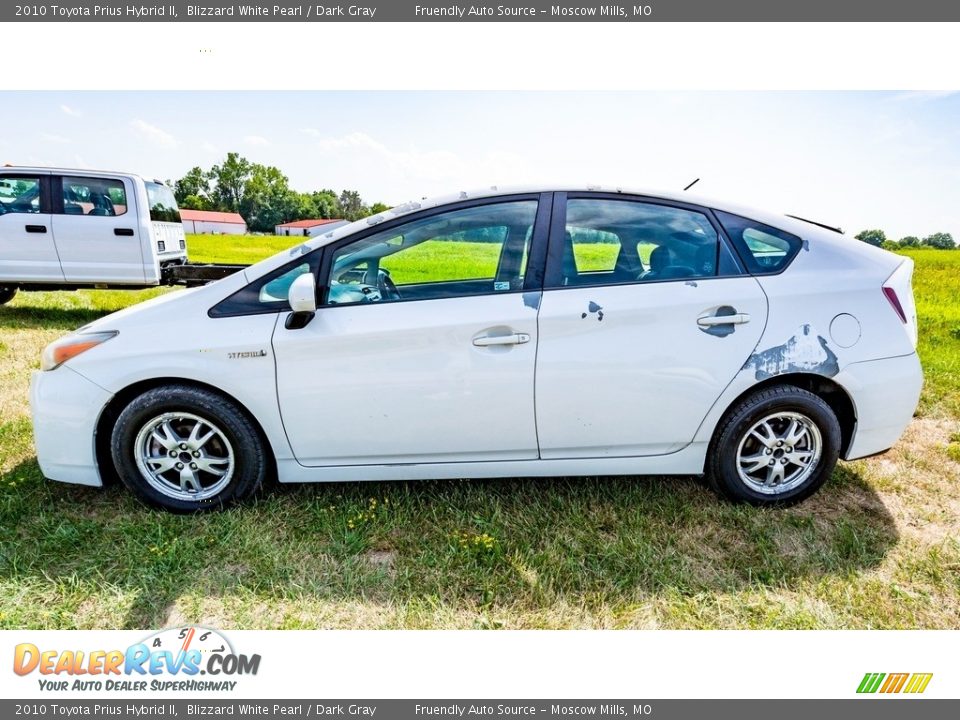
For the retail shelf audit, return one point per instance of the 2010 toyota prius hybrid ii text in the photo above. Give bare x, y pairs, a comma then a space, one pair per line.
490, 334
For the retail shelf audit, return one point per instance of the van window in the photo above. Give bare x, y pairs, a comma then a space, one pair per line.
103, 197
19, 194
163, 205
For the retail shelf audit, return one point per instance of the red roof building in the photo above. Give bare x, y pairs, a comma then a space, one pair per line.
309, 228
209, 221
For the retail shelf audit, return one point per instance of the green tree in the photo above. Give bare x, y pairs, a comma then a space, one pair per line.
267, 199
194, 185
326, 204
940, 240
910, 241
231, 180
195, 202
872, 237
351, 205
378, 207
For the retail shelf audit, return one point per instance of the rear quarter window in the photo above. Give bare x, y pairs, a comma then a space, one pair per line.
764, 249
163, 205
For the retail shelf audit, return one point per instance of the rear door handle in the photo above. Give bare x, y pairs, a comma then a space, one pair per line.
36, 228
128, 232
713, 320
514, 339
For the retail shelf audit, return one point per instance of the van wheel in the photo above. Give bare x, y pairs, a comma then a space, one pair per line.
7, 294
186, 449
776, 447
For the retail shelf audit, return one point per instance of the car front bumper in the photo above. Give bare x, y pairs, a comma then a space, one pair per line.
885, 394
65, 408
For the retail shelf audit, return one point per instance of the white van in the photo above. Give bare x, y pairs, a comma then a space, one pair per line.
66, 229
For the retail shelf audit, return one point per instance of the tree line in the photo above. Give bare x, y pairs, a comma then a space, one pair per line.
878, 238
263, 196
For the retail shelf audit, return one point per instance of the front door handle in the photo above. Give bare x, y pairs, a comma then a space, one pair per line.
513, 339
123, 232
714, 320
36, 228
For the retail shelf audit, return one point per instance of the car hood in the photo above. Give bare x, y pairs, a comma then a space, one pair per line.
176, 304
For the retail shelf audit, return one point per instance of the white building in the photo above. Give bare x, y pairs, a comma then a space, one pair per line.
215, 223
308, 228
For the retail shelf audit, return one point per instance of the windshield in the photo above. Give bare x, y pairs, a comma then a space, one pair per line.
163, 206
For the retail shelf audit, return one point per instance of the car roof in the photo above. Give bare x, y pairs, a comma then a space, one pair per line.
78, 171
778, 220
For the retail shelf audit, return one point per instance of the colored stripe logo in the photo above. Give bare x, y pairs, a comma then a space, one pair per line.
913, 683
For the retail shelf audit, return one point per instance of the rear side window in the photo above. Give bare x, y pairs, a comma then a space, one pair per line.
104, 197
163, 206
614, 242
764, 249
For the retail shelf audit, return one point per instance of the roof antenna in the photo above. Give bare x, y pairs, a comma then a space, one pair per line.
691, 184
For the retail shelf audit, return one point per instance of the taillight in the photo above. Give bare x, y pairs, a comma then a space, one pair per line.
161, 246
894, 301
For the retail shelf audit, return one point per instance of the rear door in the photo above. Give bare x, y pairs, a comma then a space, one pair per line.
645, 318
27, 250
96, 230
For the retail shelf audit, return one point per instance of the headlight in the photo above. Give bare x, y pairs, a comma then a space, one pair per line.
58, 352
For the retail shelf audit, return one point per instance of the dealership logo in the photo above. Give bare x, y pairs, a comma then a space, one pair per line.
181, 659
913, 683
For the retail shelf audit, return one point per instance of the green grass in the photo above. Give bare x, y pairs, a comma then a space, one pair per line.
876, 548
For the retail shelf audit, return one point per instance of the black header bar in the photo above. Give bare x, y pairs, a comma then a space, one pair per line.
509, 11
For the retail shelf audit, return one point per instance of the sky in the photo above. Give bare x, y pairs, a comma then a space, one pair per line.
858, 160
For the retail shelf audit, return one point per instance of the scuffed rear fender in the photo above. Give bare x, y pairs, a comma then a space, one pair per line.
806, 351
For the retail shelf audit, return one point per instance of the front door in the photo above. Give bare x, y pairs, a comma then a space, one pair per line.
27, 251
424, 348
645, 319
97, 232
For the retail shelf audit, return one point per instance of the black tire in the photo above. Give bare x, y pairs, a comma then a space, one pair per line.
250, 459
722, 464
7, 294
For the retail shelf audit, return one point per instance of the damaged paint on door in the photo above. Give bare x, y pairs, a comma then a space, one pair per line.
806, 351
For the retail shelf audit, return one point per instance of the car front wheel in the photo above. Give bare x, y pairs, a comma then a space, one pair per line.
187, 449
776, 447
7, 294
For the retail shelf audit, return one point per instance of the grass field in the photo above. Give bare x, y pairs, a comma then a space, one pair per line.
876, 548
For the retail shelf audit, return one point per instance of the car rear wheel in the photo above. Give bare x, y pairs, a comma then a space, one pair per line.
7, 294
776, 447
187, 449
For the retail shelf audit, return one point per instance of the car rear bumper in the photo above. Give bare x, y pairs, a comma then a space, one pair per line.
885, 394
66, 407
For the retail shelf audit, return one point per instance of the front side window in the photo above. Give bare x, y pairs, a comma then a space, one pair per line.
609, 242
472, 251
97, 197
764, 249
19, 194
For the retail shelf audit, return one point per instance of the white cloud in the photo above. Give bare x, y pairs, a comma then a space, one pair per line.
153, 134
209, 147
72, 112
312, 132
59, 139
431, 168
256, 140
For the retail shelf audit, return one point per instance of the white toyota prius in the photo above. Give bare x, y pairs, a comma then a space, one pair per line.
500, 333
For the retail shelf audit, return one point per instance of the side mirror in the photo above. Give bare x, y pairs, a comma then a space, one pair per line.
302, 297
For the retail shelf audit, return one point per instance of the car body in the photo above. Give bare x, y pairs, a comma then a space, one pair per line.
519, 332
64, 228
